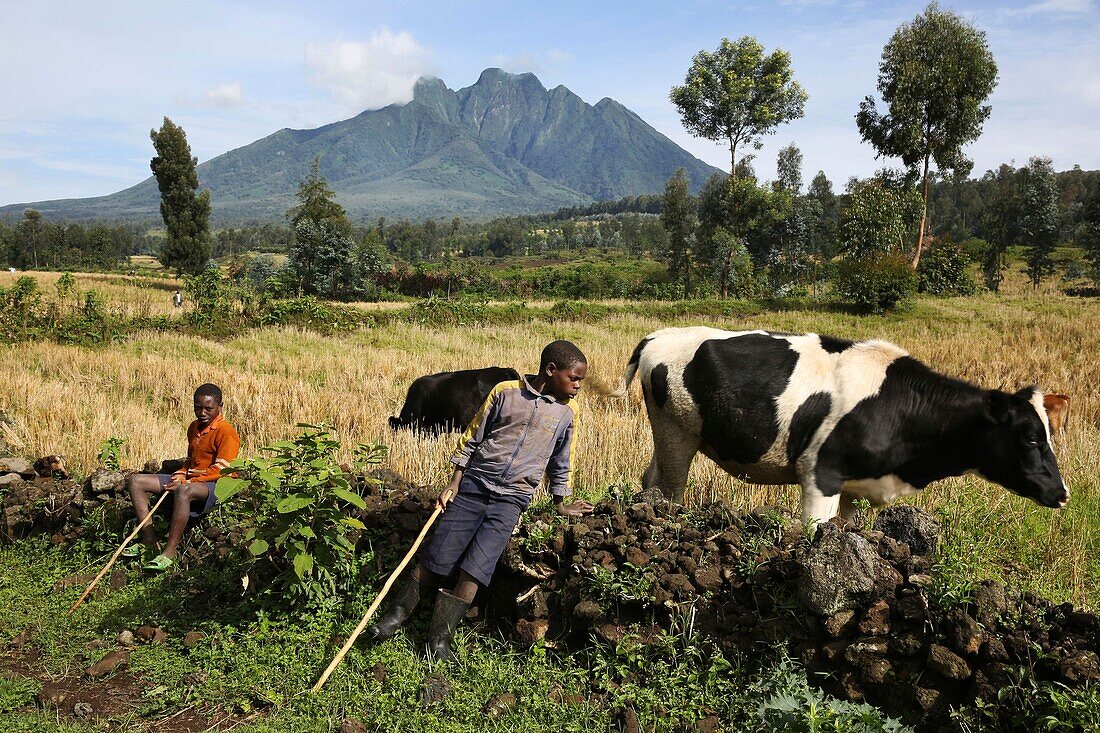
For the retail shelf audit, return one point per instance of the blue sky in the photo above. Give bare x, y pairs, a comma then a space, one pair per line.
82, 83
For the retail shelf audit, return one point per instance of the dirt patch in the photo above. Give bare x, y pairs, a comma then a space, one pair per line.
77, 698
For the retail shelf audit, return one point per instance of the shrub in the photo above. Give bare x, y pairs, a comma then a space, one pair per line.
295, 509
109, 451
876, 284
944, 271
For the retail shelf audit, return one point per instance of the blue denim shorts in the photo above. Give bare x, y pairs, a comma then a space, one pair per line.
473, 532
197, 509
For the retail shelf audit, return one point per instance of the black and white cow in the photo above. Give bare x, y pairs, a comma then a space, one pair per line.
448, 400
843, 419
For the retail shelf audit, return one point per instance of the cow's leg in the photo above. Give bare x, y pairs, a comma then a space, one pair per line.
673, 449
816, 507
651, 477
848, 508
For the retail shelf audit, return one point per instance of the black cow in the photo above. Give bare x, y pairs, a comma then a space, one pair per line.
448, 400
843, 419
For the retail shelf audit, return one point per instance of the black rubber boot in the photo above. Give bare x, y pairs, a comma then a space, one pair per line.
446, 617
408, 595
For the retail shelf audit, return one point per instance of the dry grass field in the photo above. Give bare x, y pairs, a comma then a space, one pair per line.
68, 399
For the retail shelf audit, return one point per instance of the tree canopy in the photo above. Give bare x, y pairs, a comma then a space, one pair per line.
738, 94
186, 213
935, 75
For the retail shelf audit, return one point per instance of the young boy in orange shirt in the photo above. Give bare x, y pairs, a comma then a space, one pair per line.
211, 444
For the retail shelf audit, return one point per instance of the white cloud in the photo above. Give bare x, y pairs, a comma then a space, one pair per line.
369, 74
222, 96
1054, 7
536, 63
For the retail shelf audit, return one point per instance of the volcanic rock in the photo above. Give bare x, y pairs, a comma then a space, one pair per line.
838, 571
911, 525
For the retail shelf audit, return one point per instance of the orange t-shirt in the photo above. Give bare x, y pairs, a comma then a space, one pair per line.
210, 449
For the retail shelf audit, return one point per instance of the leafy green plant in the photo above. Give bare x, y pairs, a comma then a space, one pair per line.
630, 584
955, 573
876, 284
1028, 703
807, 710
944, 271
66, 285
295, 505
109, 451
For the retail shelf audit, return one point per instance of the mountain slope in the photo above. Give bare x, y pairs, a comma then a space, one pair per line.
506, 144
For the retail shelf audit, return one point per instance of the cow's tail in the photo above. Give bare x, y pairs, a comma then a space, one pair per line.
631, 369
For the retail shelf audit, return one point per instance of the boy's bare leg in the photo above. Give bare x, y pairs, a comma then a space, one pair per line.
140, 487
181, 512
466, 588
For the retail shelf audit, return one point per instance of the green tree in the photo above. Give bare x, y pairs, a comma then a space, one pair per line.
738, 94
879, 216
32, 232
678, 217
826, 214
999, 222
789, 169
1088, 236
1039, 217
321, 257
317, 202
186, 213
935, 75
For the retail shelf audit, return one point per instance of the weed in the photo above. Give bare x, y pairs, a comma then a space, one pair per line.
109, 451
296, 504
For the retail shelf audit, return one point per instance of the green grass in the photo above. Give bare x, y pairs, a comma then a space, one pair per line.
263, 658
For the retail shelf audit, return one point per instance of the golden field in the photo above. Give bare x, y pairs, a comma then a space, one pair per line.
67, 399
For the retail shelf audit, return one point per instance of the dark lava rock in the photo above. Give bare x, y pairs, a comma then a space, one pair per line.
14, 464
192, 638
876, 619
352, 725
962, 632
947, 663
990, 602
911, 525
118, 659
709, 724
380, 673
499, 705
103, 481
434, 689
529, 633
839, 622
1082, 667
838, 571
151, 634
587, 611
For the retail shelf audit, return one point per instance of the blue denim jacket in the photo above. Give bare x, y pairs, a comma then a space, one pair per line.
518, 436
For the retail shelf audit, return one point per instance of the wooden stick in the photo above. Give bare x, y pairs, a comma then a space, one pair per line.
142, 523
377, 601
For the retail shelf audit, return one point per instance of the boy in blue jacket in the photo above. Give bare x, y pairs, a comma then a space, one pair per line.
524, 430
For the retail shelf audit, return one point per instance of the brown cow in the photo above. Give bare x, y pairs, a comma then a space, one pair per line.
1057, 407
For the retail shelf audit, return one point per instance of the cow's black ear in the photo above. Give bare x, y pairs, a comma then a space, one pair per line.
1000, 406
1027, 392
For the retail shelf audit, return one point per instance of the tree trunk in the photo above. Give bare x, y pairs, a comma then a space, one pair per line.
923, 214
732, 221
726, 273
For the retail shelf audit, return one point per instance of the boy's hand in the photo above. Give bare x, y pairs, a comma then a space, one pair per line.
446, 497
576, 509
177, 479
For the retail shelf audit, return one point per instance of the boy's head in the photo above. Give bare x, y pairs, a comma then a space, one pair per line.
208, 403
564, 367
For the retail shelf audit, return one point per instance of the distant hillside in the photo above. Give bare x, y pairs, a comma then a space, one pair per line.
504, 145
